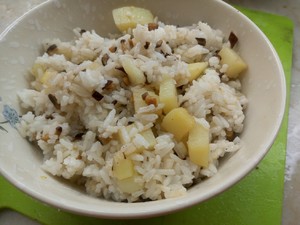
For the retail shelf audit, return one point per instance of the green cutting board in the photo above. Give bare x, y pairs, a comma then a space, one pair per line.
256, 200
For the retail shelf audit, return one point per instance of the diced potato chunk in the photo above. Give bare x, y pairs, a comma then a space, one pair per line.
168, 94
47, 76
135, 75
196, 69
139, 102
236, 64
37, 70
149, 137
41, 73
123, 169
128, 185
129, 16
178, 122
198, 145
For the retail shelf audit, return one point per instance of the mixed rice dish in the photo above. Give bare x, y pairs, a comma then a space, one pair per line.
138, 116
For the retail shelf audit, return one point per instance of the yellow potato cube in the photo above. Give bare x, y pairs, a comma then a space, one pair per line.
196, 69
128, 185
236, 64
47, 76
129, 16
123, 169
38, 70
135, 75
178, 122
198, 145
168, 94
149, 137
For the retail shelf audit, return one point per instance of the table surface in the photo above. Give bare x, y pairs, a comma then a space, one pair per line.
11, 10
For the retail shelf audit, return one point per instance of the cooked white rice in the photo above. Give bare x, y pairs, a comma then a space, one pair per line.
77, 133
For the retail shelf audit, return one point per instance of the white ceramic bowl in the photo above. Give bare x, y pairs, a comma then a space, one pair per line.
263, 84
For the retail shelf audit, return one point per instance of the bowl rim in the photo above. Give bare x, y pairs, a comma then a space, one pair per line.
181, 203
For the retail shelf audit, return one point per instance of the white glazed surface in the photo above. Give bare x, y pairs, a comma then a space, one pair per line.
20, 162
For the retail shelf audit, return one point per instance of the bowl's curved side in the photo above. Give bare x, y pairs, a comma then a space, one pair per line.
264, 85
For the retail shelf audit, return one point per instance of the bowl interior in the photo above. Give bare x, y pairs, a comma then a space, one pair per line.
263, 84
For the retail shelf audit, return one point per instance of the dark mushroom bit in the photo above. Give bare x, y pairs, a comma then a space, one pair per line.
201, 41
52, 49
97, 96
123, 44
131, 44
112, 49
78, 136
147, 44
233, 39
152, 26
82, 31
109, 86
58, 130
54, 101
104, 59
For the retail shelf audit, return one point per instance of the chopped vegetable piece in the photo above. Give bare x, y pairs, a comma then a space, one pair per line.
147, 44
150, 138
109, 86
123, 169
58, 130
129, 185
113, 49
82, 31
135, 75
198, 145
233, 39
201, 41
152, 26
38, 69
47, 76
53, 99
52, 49
168, 94
104, 59
178, 122
78, 136
97, 96
236, 64
196, 69
129, 16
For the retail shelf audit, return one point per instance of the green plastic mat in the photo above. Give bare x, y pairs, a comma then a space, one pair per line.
256, 200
